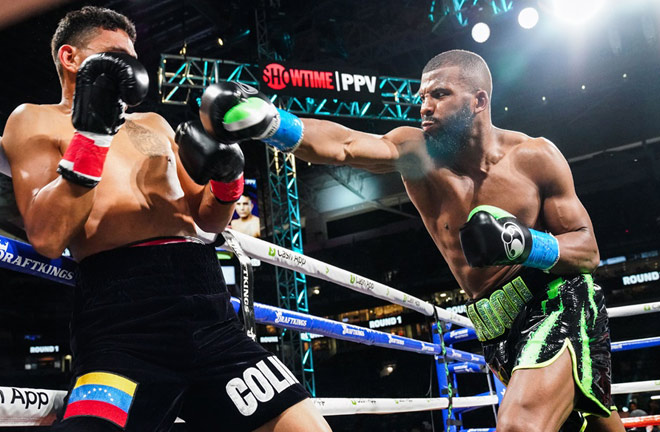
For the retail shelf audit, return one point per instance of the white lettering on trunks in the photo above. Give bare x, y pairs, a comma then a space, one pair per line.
259, 384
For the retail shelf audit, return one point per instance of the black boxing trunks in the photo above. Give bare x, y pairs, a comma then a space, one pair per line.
155, 337
534, 318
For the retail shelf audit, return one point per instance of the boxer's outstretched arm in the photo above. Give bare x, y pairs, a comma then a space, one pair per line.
233, 112
326, 142
562, 212
53, 209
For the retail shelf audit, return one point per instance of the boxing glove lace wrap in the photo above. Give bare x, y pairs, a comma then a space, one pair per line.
545, 251
227, 192
287, 134
83, 160
259, 119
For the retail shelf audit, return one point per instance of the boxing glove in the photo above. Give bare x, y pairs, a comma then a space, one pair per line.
104, 83
207, 160
492, 236
232, 111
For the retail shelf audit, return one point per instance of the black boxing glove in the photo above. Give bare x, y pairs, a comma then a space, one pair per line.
232, 111
492, 236
104, 83
207, 160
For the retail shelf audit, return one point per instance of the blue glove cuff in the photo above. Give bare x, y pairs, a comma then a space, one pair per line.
288, 135
545, 251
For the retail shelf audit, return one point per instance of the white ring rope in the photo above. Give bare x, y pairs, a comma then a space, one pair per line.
636, 387
29, 407
346, 406
36, 407
291, 260
639, 309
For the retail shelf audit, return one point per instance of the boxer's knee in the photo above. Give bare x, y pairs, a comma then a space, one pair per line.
522, 423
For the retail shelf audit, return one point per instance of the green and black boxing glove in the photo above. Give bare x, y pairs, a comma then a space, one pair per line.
233, 111
493, 236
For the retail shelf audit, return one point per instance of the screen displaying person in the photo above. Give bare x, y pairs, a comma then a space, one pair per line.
246, 222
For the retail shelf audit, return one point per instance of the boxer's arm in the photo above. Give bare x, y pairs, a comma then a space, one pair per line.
207, 212
563, 214
233, 112
54, 210
326, 142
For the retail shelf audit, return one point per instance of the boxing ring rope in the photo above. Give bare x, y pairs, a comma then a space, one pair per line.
38, 407
33, 407
300, 263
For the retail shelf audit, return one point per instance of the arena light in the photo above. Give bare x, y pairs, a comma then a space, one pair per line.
528, 18
480, 32
577, 11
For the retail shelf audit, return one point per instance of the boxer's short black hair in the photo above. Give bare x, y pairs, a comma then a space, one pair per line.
77, 26
474, 70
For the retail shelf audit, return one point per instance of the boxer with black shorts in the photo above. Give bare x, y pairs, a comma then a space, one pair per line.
501, 208
154, 334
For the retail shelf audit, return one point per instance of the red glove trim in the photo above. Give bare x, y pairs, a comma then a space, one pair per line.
86, 156
227, 193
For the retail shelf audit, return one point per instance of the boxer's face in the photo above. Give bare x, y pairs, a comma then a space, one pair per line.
445, 102
105, 41
446, 111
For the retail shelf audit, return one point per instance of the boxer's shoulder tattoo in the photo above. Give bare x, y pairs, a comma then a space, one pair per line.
146, 141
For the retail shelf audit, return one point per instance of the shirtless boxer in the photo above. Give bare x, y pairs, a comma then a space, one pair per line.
501, 208
154, 335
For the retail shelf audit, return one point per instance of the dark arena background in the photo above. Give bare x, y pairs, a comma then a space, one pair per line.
585, 75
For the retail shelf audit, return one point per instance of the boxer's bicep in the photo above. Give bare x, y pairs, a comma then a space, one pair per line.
566, 218
562, 209
33, 156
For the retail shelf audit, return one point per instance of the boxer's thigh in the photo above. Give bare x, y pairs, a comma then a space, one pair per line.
113, 391
237, 385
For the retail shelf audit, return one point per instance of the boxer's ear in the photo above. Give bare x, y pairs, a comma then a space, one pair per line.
67, 58
481, 101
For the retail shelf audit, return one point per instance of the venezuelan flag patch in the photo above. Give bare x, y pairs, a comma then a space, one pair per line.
101, 394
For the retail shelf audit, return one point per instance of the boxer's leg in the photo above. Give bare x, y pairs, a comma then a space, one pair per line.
605, 424
302, 417
236, 384
538, 399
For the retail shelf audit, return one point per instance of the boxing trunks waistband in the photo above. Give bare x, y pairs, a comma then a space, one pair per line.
174, 268
157, 241
494, 314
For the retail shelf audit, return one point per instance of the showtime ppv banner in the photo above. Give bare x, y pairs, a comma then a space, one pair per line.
322, 82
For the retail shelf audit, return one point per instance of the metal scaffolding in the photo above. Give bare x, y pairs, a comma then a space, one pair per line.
180, 78
458, 9
295, 349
